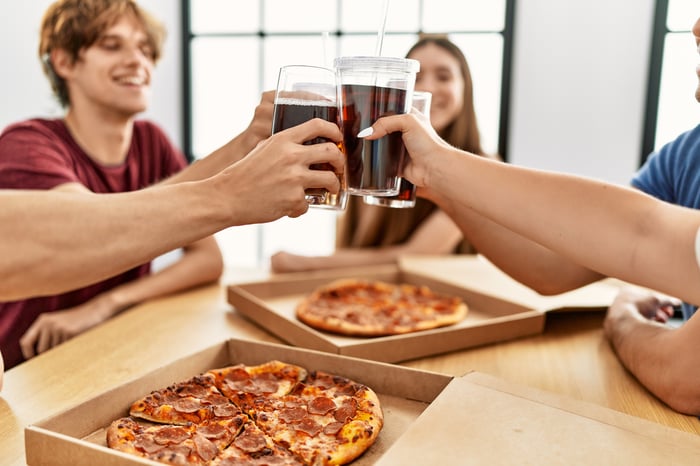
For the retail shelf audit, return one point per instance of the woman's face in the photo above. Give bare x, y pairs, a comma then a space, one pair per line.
440, 74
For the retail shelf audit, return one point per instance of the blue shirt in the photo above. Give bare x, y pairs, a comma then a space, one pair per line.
673, 174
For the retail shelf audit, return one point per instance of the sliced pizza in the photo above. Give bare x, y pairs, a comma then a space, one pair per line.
375, 308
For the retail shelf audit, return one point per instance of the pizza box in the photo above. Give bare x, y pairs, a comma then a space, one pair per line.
271, 304
479, 419
430, 418
76, 436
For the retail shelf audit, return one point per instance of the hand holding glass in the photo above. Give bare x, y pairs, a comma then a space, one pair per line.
368, 89
303, 93
406, 198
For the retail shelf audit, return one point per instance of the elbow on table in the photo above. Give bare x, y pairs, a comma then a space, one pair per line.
683, 399
548, 288
678, 386
554, 282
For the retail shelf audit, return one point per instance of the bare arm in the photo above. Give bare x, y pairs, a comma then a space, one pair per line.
200, 263
526, 261
664, 359
45, 252
436, 235
614, 230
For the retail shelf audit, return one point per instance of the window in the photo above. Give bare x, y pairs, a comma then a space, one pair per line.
233, 51
671, 106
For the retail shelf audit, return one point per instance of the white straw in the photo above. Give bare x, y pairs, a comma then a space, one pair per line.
325, 39
382, 27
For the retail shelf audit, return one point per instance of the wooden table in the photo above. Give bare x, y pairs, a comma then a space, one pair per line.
571, 358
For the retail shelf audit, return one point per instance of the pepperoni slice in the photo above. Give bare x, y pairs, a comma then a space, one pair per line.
147, 444
237, 374
187, 405
256, 386
290, 415
171, 435
321, 405
250, 441
308, 426
215, 399
228, 410
214, 431
346, 411
333, 428
205, 448
192, 389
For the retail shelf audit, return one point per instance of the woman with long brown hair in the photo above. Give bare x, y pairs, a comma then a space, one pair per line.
371, 235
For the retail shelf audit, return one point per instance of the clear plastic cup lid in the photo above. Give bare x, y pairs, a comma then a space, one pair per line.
401, 65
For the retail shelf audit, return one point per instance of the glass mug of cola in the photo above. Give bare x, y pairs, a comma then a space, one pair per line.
406, 198
368, 89
303, 93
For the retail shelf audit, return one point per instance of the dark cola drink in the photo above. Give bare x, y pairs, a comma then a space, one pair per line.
293, 112
373, 166
290, 112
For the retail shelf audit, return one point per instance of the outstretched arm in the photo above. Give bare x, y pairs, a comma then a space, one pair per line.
614, 230
56, 241
524, 260
52, 241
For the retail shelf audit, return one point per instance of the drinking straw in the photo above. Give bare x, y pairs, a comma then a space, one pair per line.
382, 27
325, 41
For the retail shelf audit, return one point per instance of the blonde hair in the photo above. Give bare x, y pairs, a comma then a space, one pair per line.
75, 25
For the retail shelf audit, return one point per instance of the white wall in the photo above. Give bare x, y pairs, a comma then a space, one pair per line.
579, 78
579, 84
26, 92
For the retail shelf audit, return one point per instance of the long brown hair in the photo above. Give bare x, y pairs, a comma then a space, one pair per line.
463, 132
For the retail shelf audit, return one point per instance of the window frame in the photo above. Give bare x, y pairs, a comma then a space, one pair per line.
660, 32
188, 36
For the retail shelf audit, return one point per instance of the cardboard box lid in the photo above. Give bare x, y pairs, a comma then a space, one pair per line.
479, 419
477, 273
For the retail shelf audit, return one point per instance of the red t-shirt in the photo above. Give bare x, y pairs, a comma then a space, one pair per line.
41, 154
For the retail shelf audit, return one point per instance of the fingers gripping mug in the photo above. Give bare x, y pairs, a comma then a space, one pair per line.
406, 198
368, 89
303, 93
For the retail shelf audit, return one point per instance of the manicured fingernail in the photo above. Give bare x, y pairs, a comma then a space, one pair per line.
365, 132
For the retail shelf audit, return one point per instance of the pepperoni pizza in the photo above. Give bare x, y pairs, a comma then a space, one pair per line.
273, 413
376, 308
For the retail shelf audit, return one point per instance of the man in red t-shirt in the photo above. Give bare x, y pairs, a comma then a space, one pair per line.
99, 56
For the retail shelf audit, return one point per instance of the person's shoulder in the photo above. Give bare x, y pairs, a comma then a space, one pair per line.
690, 140
146, 126
685, 148
40, 125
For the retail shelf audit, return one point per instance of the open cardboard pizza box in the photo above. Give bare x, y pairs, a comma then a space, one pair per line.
76, 437
499, 308
429, 418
